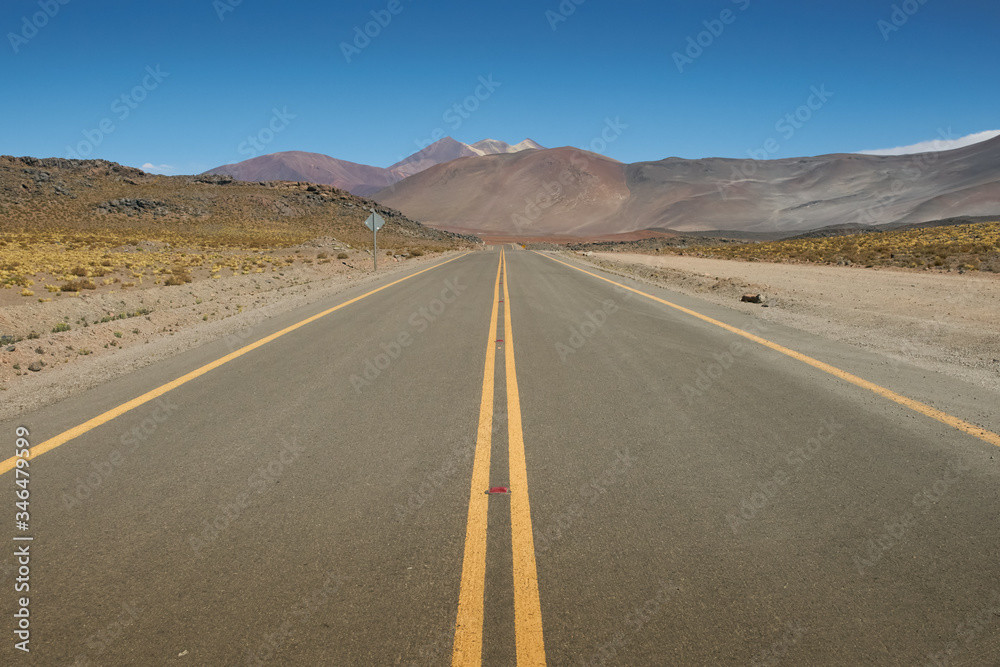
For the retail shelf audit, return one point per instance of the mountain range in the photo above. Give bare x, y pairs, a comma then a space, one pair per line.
360, 179
491, 187
568, 191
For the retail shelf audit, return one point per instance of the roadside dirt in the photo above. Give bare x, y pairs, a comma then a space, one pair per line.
159, 322
948, 323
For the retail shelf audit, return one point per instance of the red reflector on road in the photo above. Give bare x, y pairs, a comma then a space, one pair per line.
499, 340
499, 489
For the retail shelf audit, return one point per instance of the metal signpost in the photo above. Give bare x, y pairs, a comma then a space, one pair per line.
374, 222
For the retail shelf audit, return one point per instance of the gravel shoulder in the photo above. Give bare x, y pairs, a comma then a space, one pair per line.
39, 371
944, 322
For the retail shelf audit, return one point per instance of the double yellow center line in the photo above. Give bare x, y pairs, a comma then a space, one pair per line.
530, 646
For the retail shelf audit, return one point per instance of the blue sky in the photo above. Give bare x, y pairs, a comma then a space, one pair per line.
193, 84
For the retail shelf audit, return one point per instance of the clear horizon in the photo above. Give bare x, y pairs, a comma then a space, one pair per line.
194, 84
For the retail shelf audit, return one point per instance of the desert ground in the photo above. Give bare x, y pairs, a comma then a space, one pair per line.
152, 322
946, 322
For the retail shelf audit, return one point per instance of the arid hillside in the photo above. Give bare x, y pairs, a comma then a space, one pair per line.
313, 168
567, 191
68, 225
557, 191
359, 179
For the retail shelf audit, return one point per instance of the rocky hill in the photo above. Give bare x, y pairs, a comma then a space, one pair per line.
56, 194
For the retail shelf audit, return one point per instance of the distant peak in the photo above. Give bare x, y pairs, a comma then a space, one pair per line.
528, 144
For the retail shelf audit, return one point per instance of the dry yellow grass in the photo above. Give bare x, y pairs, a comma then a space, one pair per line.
70, 223
970, 247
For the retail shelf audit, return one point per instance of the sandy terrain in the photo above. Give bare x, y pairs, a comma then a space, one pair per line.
40, 371
943, 322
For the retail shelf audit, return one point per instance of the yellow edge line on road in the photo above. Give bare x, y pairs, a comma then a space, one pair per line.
527, 605
77, 431
924, 409
468, 646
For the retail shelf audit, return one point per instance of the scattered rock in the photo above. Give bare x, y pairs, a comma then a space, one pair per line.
156, 208
752, 298
36, 366
11, 349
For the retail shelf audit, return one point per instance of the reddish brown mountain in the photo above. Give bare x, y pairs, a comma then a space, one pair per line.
561, 190
570, 191
359, 179
312, 167
448, 149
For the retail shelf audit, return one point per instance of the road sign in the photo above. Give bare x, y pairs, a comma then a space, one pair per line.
374, 223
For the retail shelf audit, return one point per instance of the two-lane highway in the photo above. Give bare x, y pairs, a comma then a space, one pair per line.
685, 485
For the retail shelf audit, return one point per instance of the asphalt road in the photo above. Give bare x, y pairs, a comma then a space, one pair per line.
677, 492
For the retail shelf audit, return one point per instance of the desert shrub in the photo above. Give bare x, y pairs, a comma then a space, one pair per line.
77, 285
